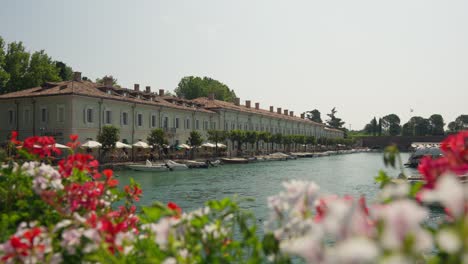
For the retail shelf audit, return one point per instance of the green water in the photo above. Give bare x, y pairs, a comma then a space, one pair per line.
341, 174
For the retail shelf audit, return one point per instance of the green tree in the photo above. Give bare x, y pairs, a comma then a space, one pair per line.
237, 136
437, 124
4, 75
101, 80
391, 124
460, 123
156, 138
374, 126
16, 64
334, 121
107, 137
191, 87
314, 115
195, 140
41, 69
264, 137
64, 71
379, 127
277, 139
216, 136
251, 137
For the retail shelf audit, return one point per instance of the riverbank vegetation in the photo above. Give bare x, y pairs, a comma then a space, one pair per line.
390, 125
76, 213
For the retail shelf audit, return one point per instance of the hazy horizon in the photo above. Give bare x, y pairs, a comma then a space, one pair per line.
366, 58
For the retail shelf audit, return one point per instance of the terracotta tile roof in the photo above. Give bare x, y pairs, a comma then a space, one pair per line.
90, 89
217, 104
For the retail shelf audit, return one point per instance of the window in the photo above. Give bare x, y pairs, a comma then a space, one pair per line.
197, 124
187, 123
27, 114
60, 113
153, 121
140, 120
108, 116
89, 115
205, 125
124, 118
44, 115
226, 125
11, 117
166, 122
233, 126
176, 121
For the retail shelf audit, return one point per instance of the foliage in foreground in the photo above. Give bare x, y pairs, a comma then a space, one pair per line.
77, 214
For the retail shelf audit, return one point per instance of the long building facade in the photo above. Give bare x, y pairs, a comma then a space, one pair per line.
83, 108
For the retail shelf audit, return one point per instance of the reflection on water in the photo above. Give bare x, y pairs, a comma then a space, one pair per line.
342, 174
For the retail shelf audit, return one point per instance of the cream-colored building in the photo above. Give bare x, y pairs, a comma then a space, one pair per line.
83, 108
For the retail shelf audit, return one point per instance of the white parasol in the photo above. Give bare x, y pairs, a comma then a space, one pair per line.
120, 145
141, 144
91, 144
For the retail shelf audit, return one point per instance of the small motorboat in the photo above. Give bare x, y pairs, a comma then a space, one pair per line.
234, 160
215, 163
176, 166
149, 167
196, 164
419, 153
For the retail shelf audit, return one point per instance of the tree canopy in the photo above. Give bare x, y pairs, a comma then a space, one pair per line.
157, 137
460, 123
20, 69
108, 136
191, 87
314, 115
334, 121
101, 80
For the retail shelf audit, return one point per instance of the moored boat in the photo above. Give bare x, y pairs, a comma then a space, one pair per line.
234, 160
176, 166
147, 167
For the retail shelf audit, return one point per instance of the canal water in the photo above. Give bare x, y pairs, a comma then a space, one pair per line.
340, 174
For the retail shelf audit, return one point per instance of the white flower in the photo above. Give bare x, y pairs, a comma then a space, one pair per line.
308, 247
448, 241
170, 260
402, 218
450, 193
354, 250
71, 239
394, 191
396, 259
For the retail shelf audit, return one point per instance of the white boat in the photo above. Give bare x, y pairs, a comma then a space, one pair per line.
176, 166
154, 168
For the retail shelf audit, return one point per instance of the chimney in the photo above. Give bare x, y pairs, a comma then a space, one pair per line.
278, 110
211, 96
77, 76
285, 111
303, 115
161, 92
237, 101
272, 109
257, 106
136, 87
291, 113
247, 103
148, 89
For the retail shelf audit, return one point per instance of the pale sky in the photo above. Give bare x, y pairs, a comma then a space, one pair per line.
366, 58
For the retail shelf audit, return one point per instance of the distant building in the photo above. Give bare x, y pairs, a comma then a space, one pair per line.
83, 108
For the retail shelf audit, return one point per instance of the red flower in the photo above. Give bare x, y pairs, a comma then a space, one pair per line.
431, 169
41, 146
133, 191
81, 162
74, 143
14, 138
175, 208
73, 137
